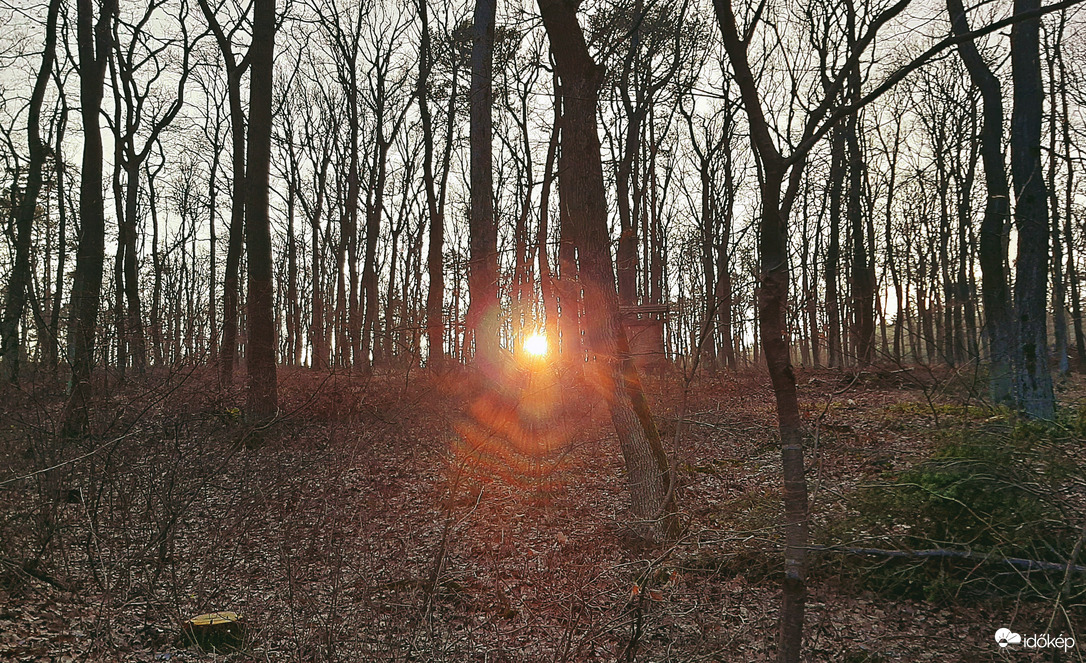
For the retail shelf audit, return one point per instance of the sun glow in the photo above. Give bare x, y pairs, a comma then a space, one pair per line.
535, 345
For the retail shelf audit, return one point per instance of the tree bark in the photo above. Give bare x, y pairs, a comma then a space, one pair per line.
18, 285
581, 181
1033, 375
52, 351
1059, 285
547, 291
263, 398
833, 251
435, 296
1068, 207
483, 313
236, 233
863, 269
94, 41
772, 292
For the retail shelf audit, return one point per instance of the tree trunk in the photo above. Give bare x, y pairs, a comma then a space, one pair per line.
1068, 207
1033, 376
966, 289
995, 291
156, 265
292, 350
833, 251
581, 181
213, 190
235, 239
133, 324
263, 401
724, 294
435, 296
547, 290
1059, 286
94, 40
53, 340
863, 270
772, 295
235, 234
318, 340
483, 313
18, 285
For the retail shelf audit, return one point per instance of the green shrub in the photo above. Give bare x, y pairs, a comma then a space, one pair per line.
995, 495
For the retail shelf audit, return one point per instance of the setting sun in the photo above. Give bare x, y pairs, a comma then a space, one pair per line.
536, 345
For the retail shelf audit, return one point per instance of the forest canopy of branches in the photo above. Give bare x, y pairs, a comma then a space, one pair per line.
369, 118
383, 185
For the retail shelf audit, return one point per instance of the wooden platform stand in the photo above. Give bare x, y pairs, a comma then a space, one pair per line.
645, 330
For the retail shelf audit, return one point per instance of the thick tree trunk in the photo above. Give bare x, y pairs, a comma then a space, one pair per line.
863, 281
263, 400
569, 285
1033, 375
483, 313
581, 182
995, 291
863, 268
94, 40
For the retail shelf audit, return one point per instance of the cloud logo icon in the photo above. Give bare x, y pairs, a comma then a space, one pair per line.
1005, 636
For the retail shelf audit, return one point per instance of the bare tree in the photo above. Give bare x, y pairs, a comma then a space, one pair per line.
483, 315
94, 40
17, 291
235, 70
435, 188
263, 401
138, 61
994, 226
581, 182
1033, 378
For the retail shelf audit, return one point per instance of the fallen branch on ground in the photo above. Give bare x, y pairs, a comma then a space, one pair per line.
1028, 564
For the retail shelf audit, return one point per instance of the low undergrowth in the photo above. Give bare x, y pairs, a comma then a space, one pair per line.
367, 523
996, 510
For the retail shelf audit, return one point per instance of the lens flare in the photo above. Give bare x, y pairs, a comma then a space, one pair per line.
536, 345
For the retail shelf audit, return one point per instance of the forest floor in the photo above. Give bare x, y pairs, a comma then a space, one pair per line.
400, 517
